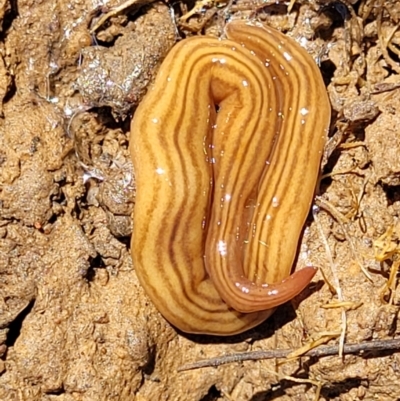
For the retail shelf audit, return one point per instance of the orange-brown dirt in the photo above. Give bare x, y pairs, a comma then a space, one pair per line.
74, 322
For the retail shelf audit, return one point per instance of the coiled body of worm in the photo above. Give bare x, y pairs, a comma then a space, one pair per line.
226, 148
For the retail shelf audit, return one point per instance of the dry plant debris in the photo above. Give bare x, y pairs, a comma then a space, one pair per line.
74, 322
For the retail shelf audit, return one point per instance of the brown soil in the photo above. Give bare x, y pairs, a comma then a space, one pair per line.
74, 322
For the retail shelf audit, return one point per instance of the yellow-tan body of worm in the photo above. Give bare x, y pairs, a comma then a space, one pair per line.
226, 148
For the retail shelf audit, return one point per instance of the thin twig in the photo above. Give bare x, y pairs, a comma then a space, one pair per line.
335, 277
118, 10
324, 350
341, 220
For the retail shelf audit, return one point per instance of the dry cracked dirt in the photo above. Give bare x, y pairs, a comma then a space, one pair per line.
75, 325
